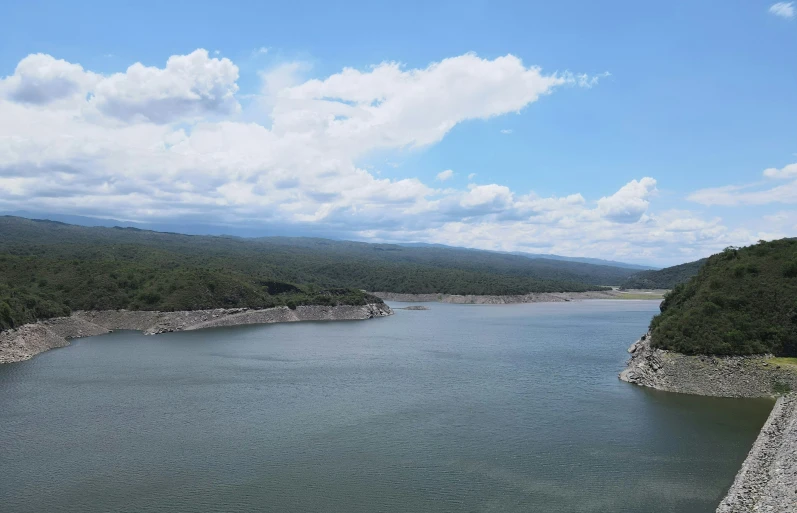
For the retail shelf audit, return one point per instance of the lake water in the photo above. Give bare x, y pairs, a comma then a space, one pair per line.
458, 408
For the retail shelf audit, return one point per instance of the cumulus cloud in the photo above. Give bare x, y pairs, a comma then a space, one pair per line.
783, 9
189, 87
389, 107
41, 79
155, 144
442, 176
487, 198
629, 203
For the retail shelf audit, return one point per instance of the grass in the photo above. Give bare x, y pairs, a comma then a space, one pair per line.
784, 362
625, 295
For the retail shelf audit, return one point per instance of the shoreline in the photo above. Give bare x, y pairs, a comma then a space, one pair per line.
535, 297
28, 340
765, 481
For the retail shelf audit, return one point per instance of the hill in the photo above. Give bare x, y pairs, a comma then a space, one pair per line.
48, 268
666, 278
586, 260
742, 301
325, 263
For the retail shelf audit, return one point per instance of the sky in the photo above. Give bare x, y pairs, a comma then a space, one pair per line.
648, 132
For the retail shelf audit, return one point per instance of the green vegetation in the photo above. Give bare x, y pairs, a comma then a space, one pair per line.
39, 288
742, 301
783, 361
666, 278
325, 263
630, 295
49, 268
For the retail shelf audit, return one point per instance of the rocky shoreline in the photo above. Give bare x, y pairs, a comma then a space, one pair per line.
766, 481
541, 297
718, 376
31, 339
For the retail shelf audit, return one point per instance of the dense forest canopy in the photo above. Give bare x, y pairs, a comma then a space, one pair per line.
48, 268
742, 301
666, 278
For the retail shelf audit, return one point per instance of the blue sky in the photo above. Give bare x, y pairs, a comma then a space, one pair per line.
700, 97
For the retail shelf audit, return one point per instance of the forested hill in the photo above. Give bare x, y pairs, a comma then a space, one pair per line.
666, 278
326, 263
742, 301
52, 267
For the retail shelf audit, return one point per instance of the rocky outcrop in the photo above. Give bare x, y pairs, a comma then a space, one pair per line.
31, 339
719, 376
556, 297
767, 481
540, 297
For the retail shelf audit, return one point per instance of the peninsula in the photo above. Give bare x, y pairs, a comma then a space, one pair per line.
731, 331
31, 339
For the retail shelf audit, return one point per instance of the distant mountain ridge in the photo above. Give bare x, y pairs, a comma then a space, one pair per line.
245, 232
586, 260
666, 278
323, 262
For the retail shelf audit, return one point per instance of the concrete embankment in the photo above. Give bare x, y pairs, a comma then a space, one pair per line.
767, 481
541, 297
31, 339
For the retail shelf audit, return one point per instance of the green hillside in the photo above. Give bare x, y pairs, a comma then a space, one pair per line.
48, 268
325, 263
666, 278
742, 301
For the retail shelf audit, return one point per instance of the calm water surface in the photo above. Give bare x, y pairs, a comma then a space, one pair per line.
459, 408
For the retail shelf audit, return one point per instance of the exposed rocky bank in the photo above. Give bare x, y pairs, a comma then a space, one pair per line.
31, 339
541, 297
767, 481
719, 376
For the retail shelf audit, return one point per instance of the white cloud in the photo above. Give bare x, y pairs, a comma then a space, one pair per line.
783, 9
189, 87
506, 131
588, 81
487, 198
445, 175
388, 107
170, 144
629, 203
759, 193
41, 79
789, 171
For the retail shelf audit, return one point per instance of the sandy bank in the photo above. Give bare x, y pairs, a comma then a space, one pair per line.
766, 481
541, 297
31, 339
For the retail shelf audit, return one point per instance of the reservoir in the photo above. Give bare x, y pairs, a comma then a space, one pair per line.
458, 408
